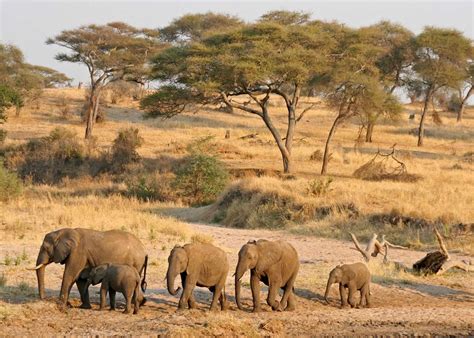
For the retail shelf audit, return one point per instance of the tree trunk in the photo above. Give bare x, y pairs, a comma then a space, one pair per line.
92, 111
229, 109
332, 131
421, 129
285, 154
463, 104
369, 132
431, 263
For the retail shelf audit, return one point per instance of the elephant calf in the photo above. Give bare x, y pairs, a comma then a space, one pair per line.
202, 265
354, 277
121, 278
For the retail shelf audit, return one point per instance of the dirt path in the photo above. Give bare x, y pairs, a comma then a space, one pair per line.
401, 304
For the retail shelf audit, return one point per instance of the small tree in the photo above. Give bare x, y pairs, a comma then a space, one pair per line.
110, 52
259, 62
396, 59
467, 87
440, 60
354, 86
286, 18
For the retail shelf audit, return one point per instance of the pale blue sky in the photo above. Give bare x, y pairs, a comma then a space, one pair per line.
28, 23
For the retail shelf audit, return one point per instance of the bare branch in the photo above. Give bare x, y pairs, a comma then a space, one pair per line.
442, 246
358, 247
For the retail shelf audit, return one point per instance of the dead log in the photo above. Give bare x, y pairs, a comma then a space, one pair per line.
374, 247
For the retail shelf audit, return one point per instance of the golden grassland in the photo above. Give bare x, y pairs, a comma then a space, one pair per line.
444, 194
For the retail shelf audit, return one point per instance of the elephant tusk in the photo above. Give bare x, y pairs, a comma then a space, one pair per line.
36, 267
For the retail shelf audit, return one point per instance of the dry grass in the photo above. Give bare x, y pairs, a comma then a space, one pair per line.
444, 194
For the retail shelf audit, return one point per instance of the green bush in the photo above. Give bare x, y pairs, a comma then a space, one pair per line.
10, 185
124, 148
454, 103
152, 187
200, 179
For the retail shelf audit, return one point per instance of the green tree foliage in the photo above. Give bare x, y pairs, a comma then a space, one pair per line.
201, 178
440, 62
354, 85
394, 64
10, 185
28, 81
466, 88
195, 27
115, 51
259, 62
8, 97
286, 18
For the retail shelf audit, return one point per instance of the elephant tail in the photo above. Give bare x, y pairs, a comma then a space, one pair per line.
143, 284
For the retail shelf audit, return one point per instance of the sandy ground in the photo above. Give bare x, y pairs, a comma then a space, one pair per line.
421, 305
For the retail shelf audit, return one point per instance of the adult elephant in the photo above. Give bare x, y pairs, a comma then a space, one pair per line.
80, 250
276, 264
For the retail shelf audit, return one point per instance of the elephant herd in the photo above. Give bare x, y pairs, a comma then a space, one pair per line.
118, 261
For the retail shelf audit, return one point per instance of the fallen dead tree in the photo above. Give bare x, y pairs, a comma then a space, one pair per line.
385, 167
436, 262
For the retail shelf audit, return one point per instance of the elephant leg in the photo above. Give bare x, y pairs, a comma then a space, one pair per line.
103, 294
191, 301
255, 286
343, 294
291, 302
222, 297
71, 274
128, 294
112, 293
366, 295
273, 287
352, 292
83, 287
287, 293
187, 291
216, 291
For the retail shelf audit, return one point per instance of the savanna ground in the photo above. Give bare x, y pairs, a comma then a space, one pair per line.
402, 302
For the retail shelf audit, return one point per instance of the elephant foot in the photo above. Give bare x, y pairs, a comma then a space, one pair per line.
214, 308
290, 308
225, 306
276, 306
85, 306
143, 301
343, 306
126, 311
112, 309
257, 310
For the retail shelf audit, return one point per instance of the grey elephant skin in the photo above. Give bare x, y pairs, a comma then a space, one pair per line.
275, 264
198, 264
117, 278
354, 277
82, 249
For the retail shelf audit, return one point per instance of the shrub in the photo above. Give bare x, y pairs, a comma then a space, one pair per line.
152, 187
49, 159
319, 187
124, 148
200, 179
3, 280
3, 136
10, 185
454, 103
64, 107
122, 89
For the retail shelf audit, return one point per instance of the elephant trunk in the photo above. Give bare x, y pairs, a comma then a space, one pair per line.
238, 276
170, 277
41, 263
328, 287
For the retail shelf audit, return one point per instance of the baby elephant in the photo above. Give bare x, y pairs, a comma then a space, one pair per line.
121, 278
354, 277
198, 264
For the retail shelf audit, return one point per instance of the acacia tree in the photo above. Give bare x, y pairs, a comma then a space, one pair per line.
111, 52
440, 62
354, 86
195, 27
396, 59
286, 18
467, 87
260, 62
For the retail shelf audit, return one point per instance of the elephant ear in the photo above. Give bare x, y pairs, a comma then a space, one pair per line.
269, 253
67, 240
